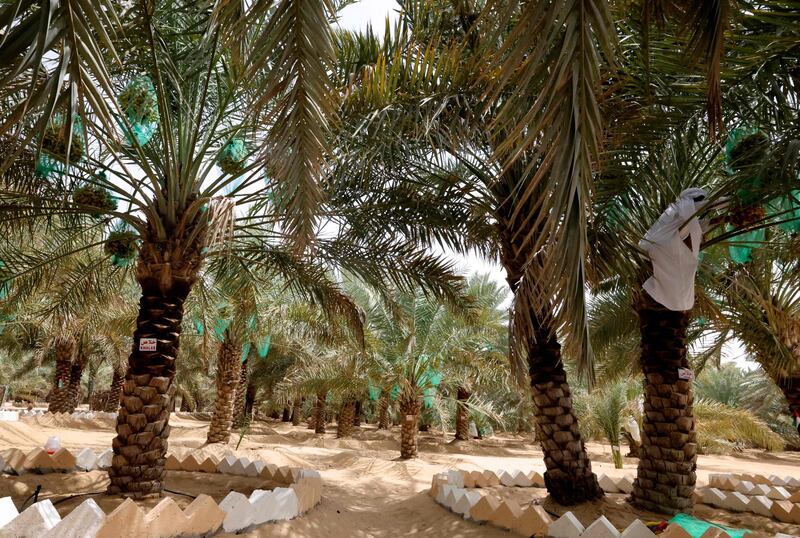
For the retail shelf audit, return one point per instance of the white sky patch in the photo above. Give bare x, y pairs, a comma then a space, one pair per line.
369, 12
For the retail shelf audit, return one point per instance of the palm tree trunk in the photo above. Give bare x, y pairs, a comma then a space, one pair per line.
286, 416
383, 412
59, 395
569, 478
409, 415
297, 411
239, 418
249, 403
357, 416
228, 373
319, 412
74, 388
668, 456
137, 468
344, 427
790, 386
462, 417
117, 379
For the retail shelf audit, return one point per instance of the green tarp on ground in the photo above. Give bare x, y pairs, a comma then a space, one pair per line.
696, 527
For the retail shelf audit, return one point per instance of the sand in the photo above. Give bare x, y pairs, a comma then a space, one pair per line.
368, 492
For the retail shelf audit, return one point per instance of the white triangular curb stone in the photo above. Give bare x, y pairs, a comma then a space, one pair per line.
104, 459
86, 460
567, 526
600, 528
8, 511
455, 478
465, 503
82, 522
238, 512
226, 464
608, 484
33, 522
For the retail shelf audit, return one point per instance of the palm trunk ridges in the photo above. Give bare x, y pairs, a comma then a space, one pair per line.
319, 413
59, 396
569, 478
297, 412
344, 427
383, 413
666, 475
115, 391
462, 417
409, 416
228, 376
240, 398
137, 468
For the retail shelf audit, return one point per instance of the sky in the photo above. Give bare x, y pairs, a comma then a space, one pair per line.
365, 12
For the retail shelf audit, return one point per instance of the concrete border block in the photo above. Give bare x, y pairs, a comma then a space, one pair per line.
83, 522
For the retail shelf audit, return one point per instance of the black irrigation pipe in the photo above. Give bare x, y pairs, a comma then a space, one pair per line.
180, 493
78, 495
34, 496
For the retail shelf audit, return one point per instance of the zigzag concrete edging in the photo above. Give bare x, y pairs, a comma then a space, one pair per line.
203, 517
454, 490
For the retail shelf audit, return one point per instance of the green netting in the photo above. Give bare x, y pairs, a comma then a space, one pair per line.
246, 351
220, 326
428, 396
140, 103
48, 166
374, 392
744, 149
395, 392
263, 347
232, 157
741, 246
121, 245
786, 210
702, 321
696, 527
198, 325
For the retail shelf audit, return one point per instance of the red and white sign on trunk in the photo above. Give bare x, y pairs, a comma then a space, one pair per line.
147, 344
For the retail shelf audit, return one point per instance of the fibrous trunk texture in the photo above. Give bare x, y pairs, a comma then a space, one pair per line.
249, 403
666, 476
383, 412
60, 392
319, 413
137, 468
569, 478
115, 390
462, 417
344, 427
409, 415
228, 373
239, 418
74, 388
297, 411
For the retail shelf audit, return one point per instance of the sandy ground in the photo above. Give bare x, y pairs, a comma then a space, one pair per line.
368, 492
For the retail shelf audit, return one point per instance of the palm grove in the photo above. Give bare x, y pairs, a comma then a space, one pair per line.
274, 191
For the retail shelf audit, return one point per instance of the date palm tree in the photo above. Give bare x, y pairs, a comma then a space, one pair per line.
202, 79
